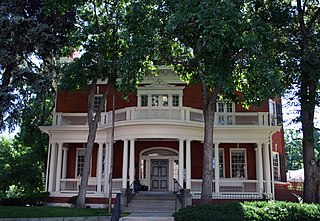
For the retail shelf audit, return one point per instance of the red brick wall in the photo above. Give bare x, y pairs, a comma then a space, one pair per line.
192, 96
77, 101
72, 102
197, 159
117, 160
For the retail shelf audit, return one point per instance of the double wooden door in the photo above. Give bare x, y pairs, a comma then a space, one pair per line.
159, 175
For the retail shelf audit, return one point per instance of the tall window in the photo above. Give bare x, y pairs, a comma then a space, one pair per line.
144, 100
221, 164
165, 100
276, 168
143, 168
80, 162
238, 163
175, 100
97, 101
224, 108
155, 100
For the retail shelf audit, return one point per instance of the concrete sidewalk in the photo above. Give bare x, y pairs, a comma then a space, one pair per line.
91, 218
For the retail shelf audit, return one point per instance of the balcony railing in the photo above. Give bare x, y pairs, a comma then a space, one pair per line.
183, 114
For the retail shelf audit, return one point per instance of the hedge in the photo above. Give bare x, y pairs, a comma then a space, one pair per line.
250, 211
36, 199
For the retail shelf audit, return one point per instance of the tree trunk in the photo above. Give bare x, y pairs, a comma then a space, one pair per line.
209, 101
93, 121
311, 176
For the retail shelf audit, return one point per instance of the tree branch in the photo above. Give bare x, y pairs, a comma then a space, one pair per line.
313, 20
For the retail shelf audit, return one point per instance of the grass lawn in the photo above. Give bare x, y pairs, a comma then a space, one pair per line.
46, 211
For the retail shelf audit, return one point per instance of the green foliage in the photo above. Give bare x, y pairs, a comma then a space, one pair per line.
35, 199
293, 141
261, 210
31, 37
210, 212
21, 170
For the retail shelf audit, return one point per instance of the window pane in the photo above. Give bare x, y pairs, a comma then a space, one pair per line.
238, 164
155, 100
229, 107
220, 107
175, 100
164, 100
221, 164
97, 101
80, 162
276, 166
144, 100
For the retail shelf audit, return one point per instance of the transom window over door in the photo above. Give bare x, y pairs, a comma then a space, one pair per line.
238, 163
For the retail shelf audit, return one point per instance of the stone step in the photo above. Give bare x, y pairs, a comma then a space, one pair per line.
152, 202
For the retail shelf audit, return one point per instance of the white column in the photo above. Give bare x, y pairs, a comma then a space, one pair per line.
99, 167
59, 162
260, 169
48, 177
131, 166
188, 164
65, 162
266, 166
216, 168
106, 168
125, 164
181, 163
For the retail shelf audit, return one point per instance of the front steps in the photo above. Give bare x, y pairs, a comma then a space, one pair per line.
153, 202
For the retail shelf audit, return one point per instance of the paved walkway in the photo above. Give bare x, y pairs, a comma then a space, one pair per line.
91, 218
157, 216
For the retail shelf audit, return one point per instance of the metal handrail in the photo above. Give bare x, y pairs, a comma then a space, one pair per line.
130, 192
177, 191
116, 212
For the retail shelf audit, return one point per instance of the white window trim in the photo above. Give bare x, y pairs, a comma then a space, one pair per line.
246, 164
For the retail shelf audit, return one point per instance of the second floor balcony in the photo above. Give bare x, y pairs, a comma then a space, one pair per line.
176, 115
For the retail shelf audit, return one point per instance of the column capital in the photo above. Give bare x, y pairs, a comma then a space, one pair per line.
65, 148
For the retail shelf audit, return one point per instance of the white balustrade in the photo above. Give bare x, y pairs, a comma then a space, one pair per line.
184, 114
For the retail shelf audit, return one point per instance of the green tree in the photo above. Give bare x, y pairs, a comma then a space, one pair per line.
301, 59
31, 36
225, 46
293, 142
108, 52
19, 169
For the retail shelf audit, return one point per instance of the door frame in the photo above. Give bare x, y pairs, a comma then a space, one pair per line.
171, 159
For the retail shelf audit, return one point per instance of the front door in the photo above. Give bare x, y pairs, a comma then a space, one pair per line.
159, 175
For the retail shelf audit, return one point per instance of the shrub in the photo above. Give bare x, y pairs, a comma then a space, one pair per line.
35, 199
72, 200
250, 211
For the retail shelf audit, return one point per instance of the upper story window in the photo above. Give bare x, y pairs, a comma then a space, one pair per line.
97, 101
159, 100
144, 100
175, 100
224, 108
